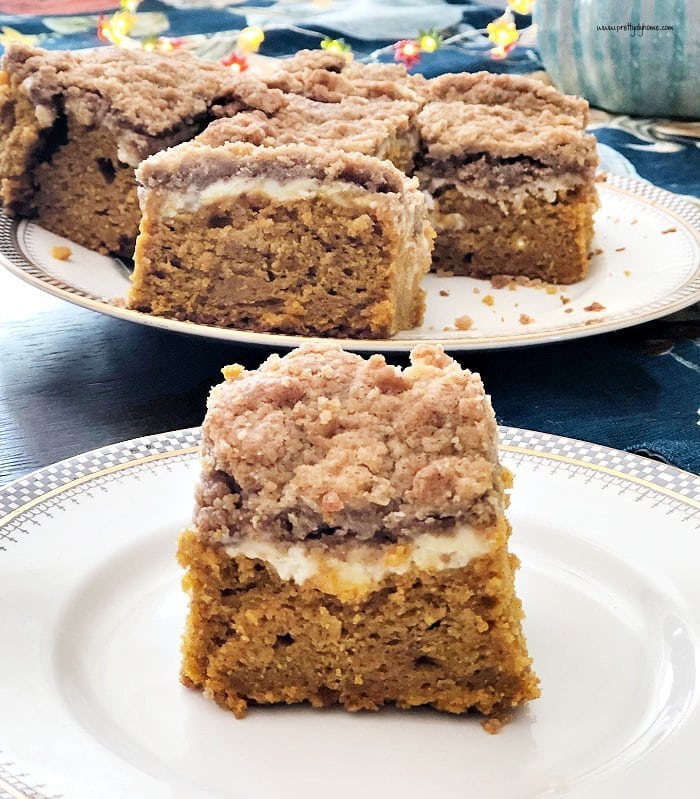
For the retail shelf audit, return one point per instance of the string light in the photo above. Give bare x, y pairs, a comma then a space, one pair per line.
502, 31
430, 40
335, 45
250, 39
522, 6
237, 63
500, 51
117, 28
408, 52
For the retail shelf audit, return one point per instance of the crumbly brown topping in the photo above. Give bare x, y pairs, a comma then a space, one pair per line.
328, 77
452, 129
354, 124
151, 93
527, 95
323, 443
195, 165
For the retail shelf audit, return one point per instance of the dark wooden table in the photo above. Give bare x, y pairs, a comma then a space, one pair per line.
72, 380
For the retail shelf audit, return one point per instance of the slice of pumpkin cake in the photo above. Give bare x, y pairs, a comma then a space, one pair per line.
74, 125
349, 541
510, 175
285, 239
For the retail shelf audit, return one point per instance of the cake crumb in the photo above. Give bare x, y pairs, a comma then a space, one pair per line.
501, 281
476, 290
464, 322
564, 299
627, 273
633, 222
568, 310
601, 177
493, 725
525, 319
620, 249
444, 273
444, 293
669, 230
597, 251
594, 306
233, 372
61, 253
488, 300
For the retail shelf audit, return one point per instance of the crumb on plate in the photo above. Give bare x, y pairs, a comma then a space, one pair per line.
594, 306
61, 253
464, 322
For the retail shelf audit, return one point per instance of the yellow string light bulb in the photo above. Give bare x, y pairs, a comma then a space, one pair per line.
502, 31
335, 45
429, 41
522, 6
250, 39
130, 5
121, 25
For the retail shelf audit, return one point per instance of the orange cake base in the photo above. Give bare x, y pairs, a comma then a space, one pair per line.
449, 639
541, 239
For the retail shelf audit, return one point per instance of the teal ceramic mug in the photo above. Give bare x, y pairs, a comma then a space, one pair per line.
629, 56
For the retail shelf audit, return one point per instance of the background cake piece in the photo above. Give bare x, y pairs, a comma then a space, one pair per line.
381, 127
349, 542
73, 125
282, 239
510, 171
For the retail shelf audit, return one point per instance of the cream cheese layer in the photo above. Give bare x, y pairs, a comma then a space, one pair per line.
363, 566
280, 191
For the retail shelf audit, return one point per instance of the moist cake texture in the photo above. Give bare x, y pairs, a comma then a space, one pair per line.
73, 125
510, 173
349, 540
281, 239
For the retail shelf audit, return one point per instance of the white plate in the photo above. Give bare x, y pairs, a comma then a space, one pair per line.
91, 612
649, 267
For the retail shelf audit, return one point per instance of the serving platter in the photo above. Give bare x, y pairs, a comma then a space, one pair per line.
645, 264
91, 611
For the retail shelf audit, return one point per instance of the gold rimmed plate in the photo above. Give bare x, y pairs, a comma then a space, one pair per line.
91, 613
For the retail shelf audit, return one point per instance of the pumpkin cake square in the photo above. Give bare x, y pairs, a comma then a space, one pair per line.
74, 125
286, 239
510, 175
349, 540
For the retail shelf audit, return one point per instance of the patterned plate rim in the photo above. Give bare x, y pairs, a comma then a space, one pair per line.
687, 215
25, 499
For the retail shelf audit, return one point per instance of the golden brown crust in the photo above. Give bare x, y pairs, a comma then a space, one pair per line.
451, 640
